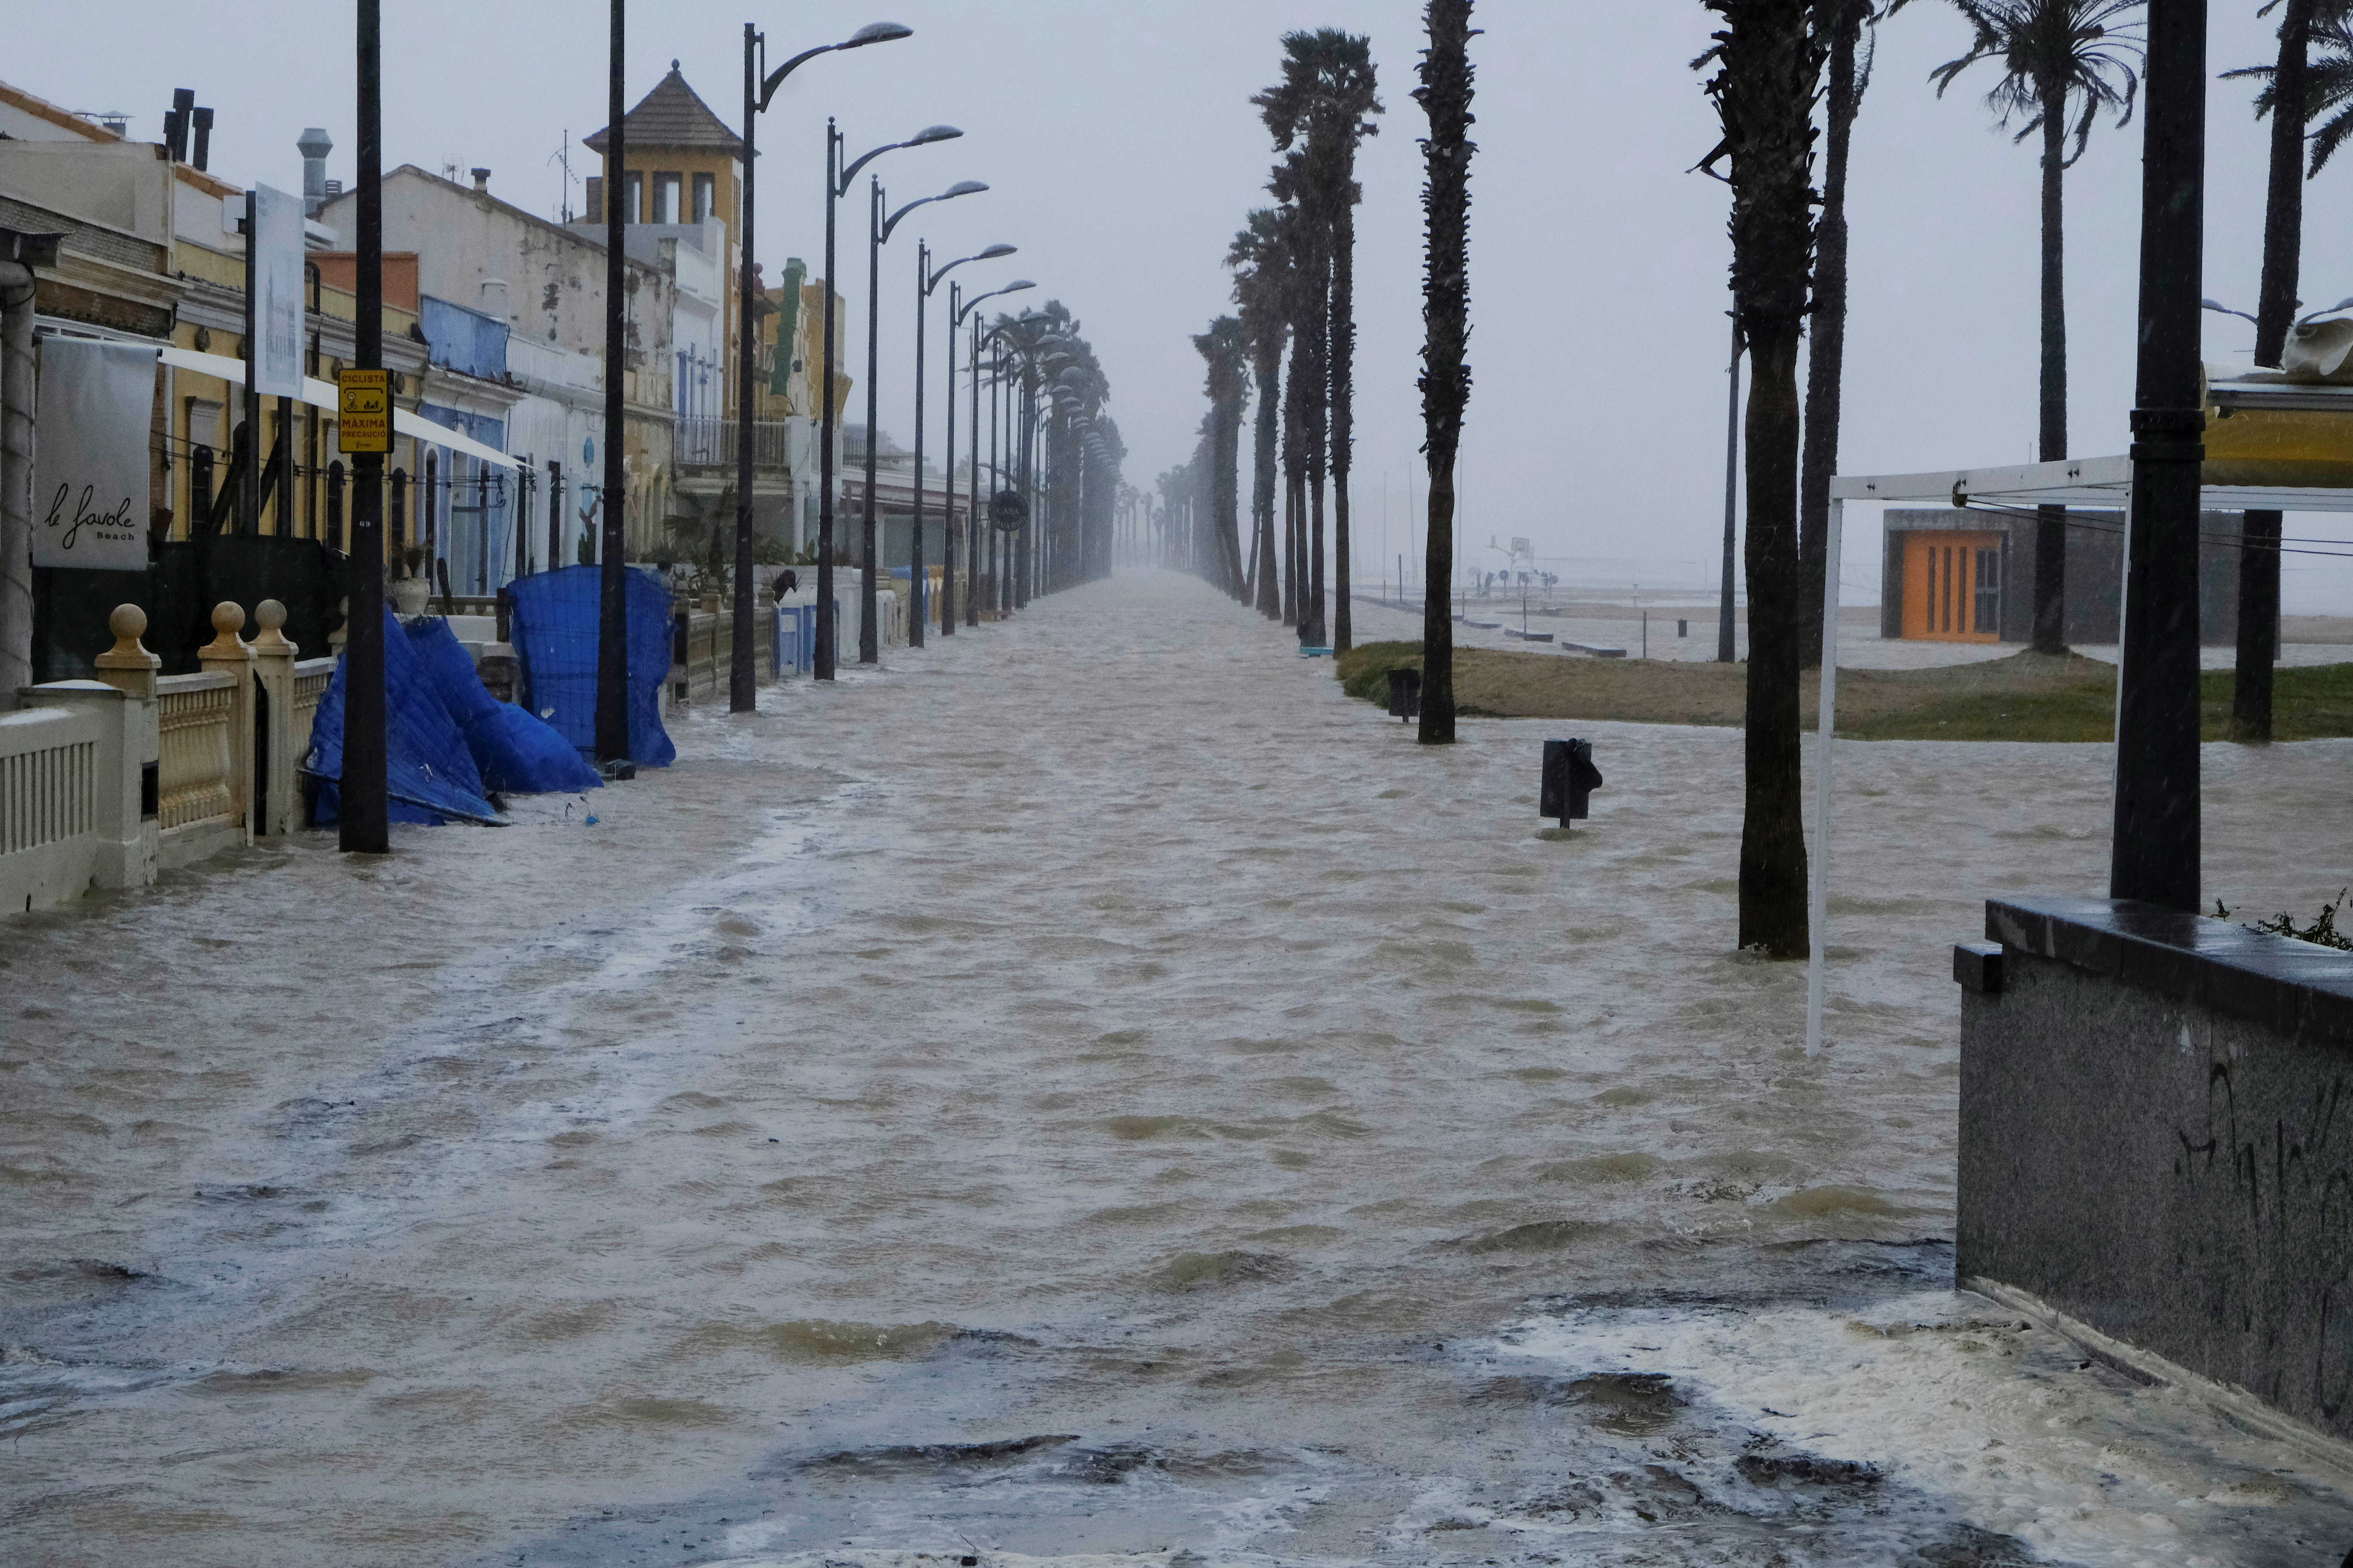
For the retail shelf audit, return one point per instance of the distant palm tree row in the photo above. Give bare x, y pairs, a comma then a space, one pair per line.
2060, 68
1294, 287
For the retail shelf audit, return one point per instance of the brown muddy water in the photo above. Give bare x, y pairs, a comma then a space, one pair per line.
1086, 1091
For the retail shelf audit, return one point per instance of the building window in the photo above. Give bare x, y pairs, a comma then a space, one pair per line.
706, 197
633, 209
666, 198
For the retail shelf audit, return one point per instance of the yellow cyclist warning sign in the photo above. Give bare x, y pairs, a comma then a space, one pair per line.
365, 412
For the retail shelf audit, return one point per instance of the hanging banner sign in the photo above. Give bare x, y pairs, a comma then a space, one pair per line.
364, 410
90, 455
277, 283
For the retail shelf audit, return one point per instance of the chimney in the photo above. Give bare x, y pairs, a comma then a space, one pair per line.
314, 146
596, 213
202, 119
481, 181
118, 122
176, 123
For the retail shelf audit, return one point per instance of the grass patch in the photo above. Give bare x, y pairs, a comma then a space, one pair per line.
2023, 697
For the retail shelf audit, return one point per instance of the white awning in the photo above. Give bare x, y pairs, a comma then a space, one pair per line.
2071, 481
322, 395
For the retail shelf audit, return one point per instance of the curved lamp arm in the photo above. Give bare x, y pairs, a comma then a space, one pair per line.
872, 33
993, 252
1013, 288
928, 134
961, 188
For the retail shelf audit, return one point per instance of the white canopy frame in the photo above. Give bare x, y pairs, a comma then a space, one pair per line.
2104, 482
323, 395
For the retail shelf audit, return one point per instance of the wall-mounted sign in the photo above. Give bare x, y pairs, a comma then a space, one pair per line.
90, 459
278, 283
1008, 509
363, 406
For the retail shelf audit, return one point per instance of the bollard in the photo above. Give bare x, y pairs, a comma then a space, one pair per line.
1405, 694
1569, 776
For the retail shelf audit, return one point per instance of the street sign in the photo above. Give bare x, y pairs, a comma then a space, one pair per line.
1007, 509
365, 410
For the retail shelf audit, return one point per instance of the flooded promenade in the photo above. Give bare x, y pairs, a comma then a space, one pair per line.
1088, 1091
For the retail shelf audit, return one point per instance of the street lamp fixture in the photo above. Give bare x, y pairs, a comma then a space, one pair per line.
759, 90
878, 233
836, 184
958, 309
927, 280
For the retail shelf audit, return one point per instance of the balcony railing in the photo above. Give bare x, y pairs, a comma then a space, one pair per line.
710, 444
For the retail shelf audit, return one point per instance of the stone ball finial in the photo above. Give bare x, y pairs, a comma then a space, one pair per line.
270, 639
129, 624
229, 619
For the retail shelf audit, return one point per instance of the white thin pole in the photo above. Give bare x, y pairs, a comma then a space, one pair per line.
1817, 934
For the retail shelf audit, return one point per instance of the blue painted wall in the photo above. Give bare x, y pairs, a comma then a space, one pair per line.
464, 340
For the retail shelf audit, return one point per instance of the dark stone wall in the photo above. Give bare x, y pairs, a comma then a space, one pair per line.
2157, 1138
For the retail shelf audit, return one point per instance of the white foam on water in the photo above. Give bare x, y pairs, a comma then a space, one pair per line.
2002, 1424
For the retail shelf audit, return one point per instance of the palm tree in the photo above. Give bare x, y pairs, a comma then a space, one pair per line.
1259, 262
1445, 95
1295, 184
2328, 76
1222, 347
1839, 23
2064, 62
1326, 101
1767, 61
2322, 85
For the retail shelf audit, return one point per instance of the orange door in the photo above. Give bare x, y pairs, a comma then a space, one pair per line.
1952, 586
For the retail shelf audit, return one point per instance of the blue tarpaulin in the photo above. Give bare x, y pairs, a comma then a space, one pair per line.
555, 633
512, 751
429, 767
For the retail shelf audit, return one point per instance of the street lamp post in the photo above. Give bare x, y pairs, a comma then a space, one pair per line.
836, 186
926, 281
972, 499
757, 92
877, 235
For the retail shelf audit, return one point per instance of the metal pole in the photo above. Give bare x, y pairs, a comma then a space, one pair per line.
972, 535
916, 609
1723, 644
248, 487
825, 630
742, 686
870, 635
947, 483
1819, 922
2156, 852
612, 618
363, 825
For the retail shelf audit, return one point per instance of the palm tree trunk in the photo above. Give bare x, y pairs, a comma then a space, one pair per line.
1262, 481
2051, 521
1764, 95
1826, 361
1344, 346
2259, 546
1445, 94
1295, 475
1317, 330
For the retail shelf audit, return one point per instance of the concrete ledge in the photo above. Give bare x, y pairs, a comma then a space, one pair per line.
2292, 987
2156, 1147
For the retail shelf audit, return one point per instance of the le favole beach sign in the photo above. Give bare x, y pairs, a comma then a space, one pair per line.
89, 461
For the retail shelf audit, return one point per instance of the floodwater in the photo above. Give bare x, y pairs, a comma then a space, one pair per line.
1087, 1091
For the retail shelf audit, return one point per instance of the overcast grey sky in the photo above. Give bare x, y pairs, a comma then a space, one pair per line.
1122, 153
